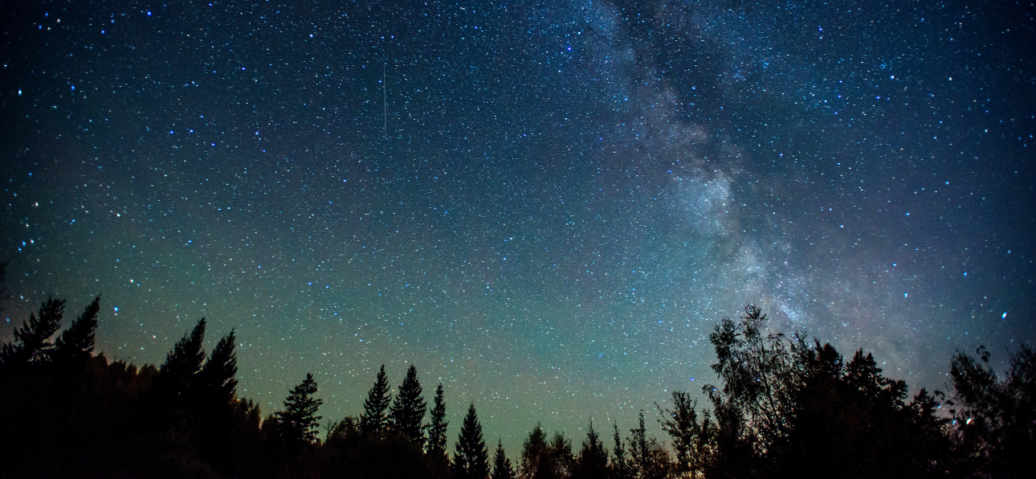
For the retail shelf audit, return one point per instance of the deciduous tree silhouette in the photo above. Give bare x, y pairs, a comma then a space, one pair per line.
375, 418
649, 459
758, 372
408, 409
471, 461
786, 404
691, 437
996, 419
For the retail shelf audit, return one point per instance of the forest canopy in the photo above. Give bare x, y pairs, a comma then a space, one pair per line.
782, 406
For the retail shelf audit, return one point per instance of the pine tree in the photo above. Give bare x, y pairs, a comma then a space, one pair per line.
374, 417
533, 451
620, 466
32, 339
214, 404
471, 461
557, 462
217, 380
501, 464
184, 362
298, 422
77, 342
592, 461
648, 458
408, 409
437, 431
638, 446
173, 396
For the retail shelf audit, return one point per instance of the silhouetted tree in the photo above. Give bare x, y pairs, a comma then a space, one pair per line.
375, 418
533, 450
691, 438
298, 422
437, 432
620, 467
759, 374
75, 344
218, 378
501, 464
407, 412
592, 461
996, 419
181, 366
471, 461
543, 459
649, 459
215, 389
32, 344
732, 450
558, 460
845, 416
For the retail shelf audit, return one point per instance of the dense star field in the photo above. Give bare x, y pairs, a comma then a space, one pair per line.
547, 206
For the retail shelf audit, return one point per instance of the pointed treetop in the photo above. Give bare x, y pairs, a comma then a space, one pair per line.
375, 418
408, 409
31, 343
218, 377
298, 421
501, 464
176, 377
471, 461
77, 342
437, 430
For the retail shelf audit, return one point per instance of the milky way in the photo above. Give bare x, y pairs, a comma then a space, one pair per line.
546, 206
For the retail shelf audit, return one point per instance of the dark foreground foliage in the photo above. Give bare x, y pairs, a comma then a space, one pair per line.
784, 407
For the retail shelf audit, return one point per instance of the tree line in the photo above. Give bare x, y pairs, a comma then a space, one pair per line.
784, 406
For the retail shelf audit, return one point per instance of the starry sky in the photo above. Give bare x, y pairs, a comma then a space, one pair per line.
545, 205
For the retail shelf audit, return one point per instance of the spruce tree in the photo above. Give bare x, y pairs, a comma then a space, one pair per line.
557, 462
501, 464
437, 430
471, 461
533, 451
217, 381
621, 467
298, 422
77, 342
408, 409
374, 417
31, 343
184, 362
592, 461
173, 394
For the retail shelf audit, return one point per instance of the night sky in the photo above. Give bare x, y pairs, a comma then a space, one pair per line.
546, 206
